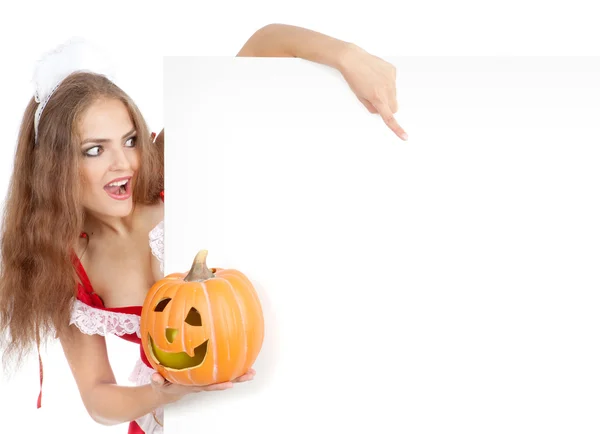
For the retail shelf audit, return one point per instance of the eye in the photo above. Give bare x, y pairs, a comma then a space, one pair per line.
162, 304
93, 151
131, 142
193, 317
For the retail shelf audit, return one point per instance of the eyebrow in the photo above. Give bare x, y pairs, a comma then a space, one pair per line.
126, 135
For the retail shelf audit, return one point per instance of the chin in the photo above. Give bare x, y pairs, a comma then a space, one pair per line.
111, 208
122, 209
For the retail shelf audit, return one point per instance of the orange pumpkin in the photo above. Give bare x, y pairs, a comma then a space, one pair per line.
202, 328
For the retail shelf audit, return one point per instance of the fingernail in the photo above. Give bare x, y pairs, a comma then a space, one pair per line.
404, 136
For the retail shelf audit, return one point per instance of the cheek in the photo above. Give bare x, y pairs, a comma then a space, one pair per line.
134, 160
90, 177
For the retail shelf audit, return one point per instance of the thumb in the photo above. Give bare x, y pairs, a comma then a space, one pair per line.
157, 379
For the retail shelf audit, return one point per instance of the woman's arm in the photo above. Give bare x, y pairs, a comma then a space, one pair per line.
372, 79
281, 40
111, 404
106, 402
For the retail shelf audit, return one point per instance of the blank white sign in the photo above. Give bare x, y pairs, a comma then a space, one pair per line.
444, 284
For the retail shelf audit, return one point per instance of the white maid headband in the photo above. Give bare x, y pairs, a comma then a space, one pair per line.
75, 55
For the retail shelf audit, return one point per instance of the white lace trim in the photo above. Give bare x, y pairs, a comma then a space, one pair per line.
140, 376
156, 237
93, 321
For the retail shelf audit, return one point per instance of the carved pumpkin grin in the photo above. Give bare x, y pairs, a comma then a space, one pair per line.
178, 361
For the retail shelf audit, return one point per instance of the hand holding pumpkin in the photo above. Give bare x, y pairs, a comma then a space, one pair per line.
169, 392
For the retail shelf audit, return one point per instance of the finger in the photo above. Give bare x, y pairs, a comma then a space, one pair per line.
394, 97
204, 389
218, 386
394, 103
389, 119
223, 386
157, 379
249, 375
245, 377
368, 105
250, 372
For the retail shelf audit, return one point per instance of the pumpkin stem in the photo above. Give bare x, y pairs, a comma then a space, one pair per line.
199, 271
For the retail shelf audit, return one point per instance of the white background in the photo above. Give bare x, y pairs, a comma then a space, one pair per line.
138, 33
447, 284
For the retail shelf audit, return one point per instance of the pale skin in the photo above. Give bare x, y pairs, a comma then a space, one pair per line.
373, 80
119, 231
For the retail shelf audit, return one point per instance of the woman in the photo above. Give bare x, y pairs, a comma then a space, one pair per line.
82, 230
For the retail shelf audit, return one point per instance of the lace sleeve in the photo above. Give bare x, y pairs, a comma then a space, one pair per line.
156, 237
94, 321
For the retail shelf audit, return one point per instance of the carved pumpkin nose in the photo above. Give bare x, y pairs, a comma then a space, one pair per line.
171, 334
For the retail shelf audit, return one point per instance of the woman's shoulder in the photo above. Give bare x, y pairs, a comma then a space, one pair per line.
151, 215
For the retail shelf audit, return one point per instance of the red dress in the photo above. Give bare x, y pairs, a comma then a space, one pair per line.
91, 317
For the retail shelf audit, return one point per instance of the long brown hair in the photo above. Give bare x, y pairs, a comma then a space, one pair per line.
43, 216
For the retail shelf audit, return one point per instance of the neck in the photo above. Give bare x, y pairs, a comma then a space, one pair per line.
101, 224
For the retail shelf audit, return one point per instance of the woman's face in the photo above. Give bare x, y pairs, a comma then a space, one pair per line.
109, 158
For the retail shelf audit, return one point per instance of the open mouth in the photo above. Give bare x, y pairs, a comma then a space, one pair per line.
178, 361
119, 189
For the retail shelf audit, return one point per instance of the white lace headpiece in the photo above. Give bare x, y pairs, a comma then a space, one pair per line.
77, 54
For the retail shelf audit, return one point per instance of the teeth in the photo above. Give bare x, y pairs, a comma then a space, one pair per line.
118, 183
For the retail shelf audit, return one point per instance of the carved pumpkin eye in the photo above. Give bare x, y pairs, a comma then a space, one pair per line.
193, 317
162, 304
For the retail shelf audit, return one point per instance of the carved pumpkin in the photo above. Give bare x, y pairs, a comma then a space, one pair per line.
202, 328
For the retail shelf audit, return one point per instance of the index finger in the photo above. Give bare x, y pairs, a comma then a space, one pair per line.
389, 119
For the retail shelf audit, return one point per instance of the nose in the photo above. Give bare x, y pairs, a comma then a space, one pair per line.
170, 334
120, 161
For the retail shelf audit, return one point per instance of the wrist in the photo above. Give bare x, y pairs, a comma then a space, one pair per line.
346, 56
159, 399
